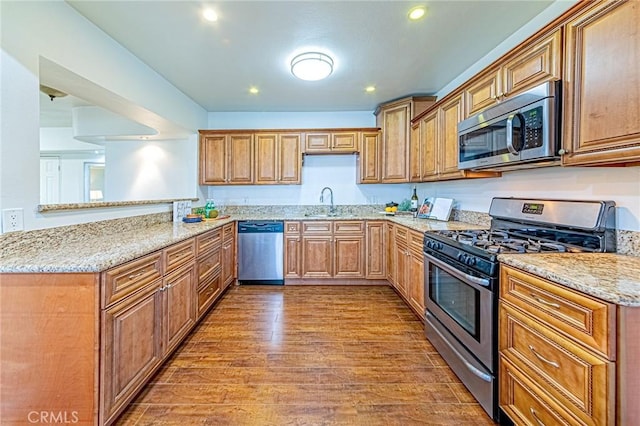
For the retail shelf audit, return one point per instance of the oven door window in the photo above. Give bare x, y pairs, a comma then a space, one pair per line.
458, 300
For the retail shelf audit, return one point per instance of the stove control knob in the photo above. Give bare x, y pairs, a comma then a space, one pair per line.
430, 244
470, 261
462, 257
439, 246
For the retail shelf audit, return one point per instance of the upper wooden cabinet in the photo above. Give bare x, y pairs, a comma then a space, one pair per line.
226, 158
331, 141
369, 159
278, 158
395, 119
602, 85
533, 63
435, 141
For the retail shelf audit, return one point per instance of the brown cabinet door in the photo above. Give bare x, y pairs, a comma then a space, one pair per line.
415, 152
344, 141
292, 256
369, 159
179, 308
395, 144
240, 155
390, 245
290, 159
266, 158
228, 262
429, 145
131, 348
602, 85
401, 257
349, 256
483, 93
451, 116
317, 142
375, 256
317, 255
213, 160
533, 65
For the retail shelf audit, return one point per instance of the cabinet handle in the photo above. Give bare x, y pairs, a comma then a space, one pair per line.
544, 302
132, 276
543, 359
535, 416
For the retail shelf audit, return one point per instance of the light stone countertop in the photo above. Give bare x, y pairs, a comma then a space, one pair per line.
100, 250
611, 277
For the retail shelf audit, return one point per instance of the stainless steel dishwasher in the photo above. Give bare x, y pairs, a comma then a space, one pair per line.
260, 252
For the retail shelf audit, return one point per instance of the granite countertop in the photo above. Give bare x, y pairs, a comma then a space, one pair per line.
99, 251
611, 277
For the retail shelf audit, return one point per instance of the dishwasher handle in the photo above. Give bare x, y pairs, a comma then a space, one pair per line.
245, 227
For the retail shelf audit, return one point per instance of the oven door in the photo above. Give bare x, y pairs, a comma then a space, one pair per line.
465, 305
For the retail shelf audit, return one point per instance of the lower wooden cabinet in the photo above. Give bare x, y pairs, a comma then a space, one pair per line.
228, 254
548, 372
131, 348
405, 268
349, 250
375, 267
179, 306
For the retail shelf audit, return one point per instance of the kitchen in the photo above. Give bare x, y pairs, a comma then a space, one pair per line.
620, 184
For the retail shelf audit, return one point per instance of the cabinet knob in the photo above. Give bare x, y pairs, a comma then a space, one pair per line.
563, 151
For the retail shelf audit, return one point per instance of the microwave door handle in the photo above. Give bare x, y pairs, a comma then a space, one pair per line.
510, 146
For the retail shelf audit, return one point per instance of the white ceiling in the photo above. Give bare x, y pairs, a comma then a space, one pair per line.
372, 42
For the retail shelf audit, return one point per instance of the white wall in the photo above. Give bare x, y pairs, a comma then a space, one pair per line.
55, 31
620, 184
151, 170
335, 171
290, 120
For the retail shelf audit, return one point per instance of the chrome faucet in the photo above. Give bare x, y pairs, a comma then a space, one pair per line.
332, 209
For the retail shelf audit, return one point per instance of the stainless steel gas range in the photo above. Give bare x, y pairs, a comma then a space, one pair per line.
462, 270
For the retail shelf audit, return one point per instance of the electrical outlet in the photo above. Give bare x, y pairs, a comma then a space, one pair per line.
12, 220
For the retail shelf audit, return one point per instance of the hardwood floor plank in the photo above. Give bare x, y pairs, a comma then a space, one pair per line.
306, 355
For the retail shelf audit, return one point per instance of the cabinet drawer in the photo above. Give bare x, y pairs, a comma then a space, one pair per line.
292, 227
415, 240
578, 316
525, 403
348, 227
317, 227
207, 241
208, 293
207, 264
578, 379
123, 280
228, 231
179, 254
401, 235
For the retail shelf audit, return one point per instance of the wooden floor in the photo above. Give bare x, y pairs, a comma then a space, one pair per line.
306, 355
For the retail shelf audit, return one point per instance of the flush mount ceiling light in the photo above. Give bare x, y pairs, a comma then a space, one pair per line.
370, 89
417, 13
312, 66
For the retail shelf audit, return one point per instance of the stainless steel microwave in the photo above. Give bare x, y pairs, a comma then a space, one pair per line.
517, 133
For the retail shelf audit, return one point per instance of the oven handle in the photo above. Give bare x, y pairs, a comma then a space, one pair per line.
469, 279
475, 371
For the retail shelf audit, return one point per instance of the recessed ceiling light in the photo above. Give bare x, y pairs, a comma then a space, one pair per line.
417, 13
210, 15
312, 66
254, 90
370, 89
